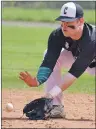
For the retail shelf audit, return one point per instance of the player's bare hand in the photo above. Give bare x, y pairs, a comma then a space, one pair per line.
28, 79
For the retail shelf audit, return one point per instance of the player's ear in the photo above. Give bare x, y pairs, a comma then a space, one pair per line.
81, 20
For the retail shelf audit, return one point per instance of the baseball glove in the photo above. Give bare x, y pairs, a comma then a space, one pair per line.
38, 109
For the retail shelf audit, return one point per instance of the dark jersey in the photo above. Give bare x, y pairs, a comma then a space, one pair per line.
83, 49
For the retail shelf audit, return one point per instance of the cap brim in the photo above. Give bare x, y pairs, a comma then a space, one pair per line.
66, 19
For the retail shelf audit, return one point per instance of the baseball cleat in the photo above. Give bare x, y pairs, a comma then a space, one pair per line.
57, 111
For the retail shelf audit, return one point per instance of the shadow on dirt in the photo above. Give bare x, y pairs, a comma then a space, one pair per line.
18, 118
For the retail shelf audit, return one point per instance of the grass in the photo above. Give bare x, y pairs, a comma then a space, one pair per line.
22, 49
43, 15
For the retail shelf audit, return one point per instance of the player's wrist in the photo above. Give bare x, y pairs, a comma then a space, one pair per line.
33, 82
37, 82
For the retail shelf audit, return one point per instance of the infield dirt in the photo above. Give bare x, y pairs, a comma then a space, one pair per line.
79, 109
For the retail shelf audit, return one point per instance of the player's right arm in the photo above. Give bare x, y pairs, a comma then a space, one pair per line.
47, 65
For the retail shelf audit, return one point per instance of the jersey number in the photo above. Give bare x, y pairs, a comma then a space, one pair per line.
65, 10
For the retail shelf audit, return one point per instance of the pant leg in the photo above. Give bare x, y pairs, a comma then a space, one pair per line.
65, 60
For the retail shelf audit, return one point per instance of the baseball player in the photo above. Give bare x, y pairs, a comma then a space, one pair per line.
73, 46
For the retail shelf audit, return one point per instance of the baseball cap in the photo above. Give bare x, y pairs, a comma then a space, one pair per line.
70, 12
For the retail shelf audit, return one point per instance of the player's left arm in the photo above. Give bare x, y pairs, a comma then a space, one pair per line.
77, 69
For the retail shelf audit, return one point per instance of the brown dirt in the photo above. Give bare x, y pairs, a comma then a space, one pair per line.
79, 108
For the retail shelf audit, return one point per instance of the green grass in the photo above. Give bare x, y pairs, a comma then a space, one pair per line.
22, 49
45, 15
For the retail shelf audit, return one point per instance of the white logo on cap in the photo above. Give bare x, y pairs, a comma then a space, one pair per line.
68, 10
65, 10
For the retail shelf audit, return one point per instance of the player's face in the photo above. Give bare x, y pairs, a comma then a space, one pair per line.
70, 28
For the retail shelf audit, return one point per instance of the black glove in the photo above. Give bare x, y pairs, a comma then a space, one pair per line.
38, 109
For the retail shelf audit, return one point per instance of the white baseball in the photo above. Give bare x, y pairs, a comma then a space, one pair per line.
9, 107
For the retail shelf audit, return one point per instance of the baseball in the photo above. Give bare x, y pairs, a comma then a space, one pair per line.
9, 107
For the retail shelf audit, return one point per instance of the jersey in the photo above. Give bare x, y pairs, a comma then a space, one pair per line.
83, 49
